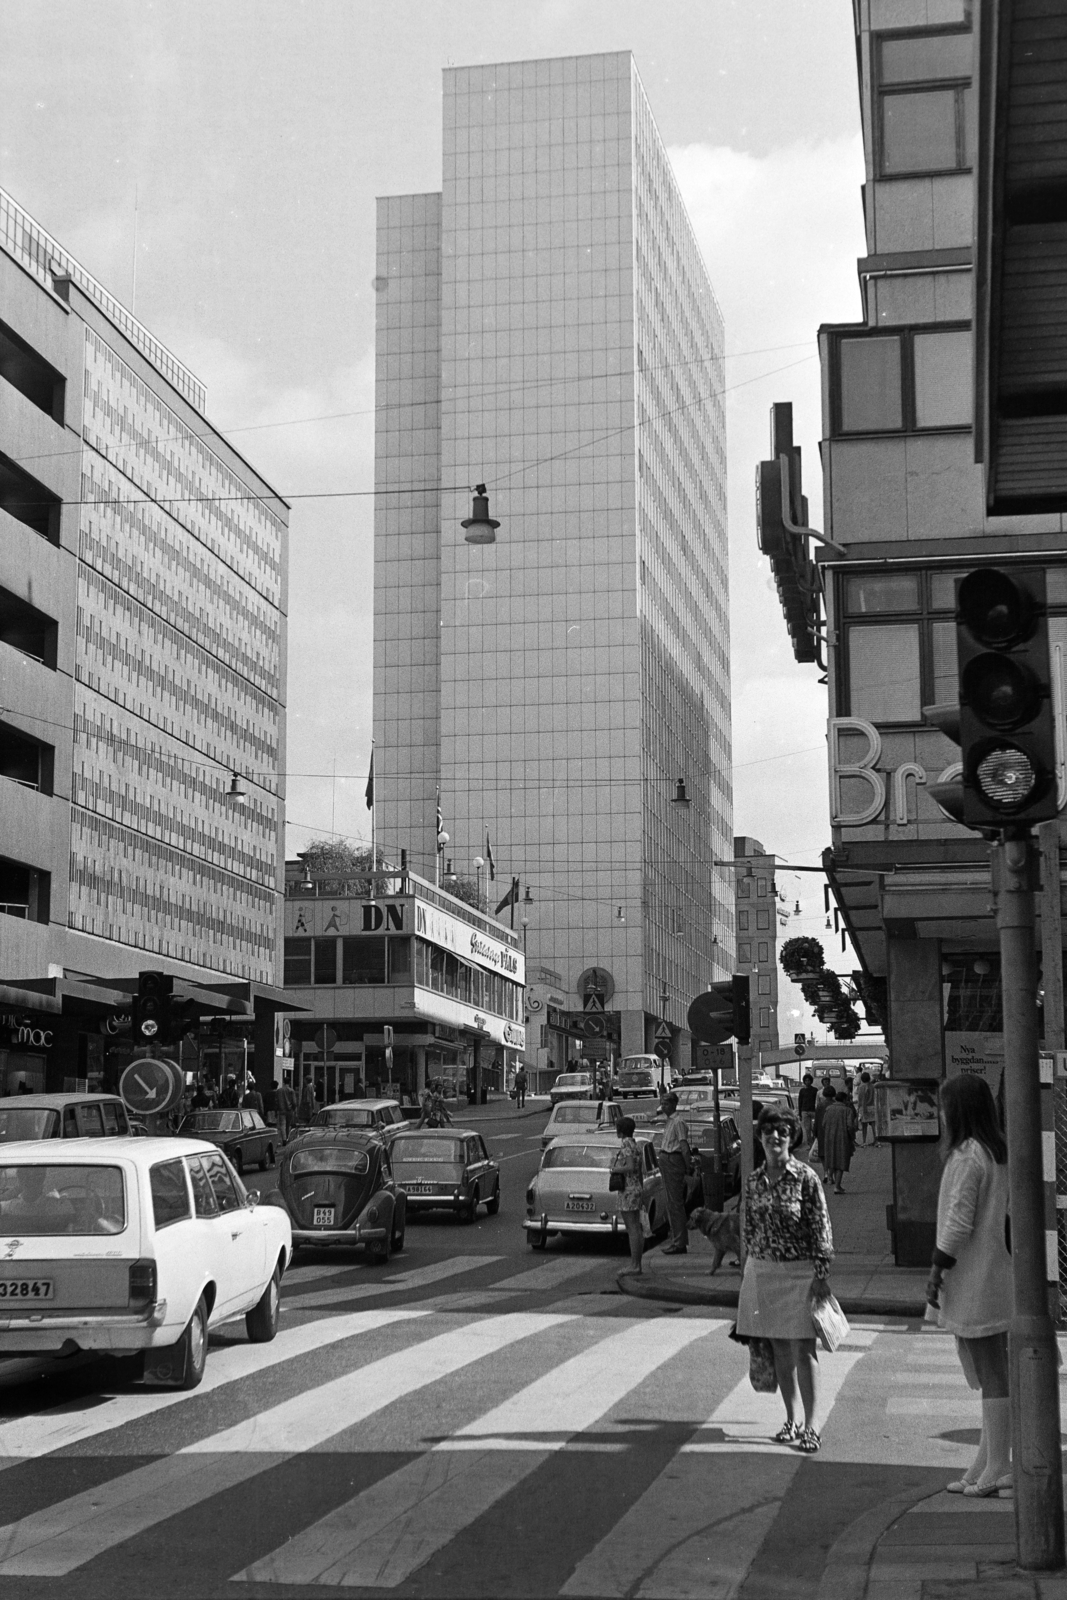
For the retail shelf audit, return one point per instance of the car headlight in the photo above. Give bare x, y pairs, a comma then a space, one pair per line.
530, 1197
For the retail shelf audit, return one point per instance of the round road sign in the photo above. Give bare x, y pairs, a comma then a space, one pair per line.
151, 1085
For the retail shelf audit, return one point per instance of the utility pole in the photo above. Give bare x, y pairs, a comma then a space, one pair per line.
1032, 1354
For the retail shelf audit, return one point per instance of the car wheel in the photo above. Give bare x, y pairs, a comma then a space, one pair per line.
239, 1163
469, 1211
492, 1205
183, 1363
537, 1240
378, 1250
270, 1155
399, 1224
262, 1320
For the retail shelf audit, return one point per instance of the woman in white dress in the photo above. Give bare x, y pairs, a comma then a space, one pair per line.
970, 1278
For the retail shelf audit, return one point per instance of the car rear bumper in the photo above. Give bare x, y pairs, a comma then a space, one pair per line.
589, 1223
44, 1334
348, 1236
440, 1202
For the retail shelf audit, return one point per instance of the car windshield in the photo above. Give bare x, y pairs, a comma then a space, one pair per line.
575, 1114
636, 1075
329, 1158
695, 1097
426, 1150
212, 1122
573, 1080
42, 1199
28, 1122
580, 1155
343, 1117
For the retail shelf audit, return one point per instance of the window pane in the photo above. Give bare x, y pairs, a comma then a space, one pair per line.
297, 962
1056, 580
944, 55
763, 985
170, 1197
203, 1194
399, 959
883, 592
919, 131
763, 919
943, 379
325, 960
884, 673
943, 590
870, 385
946, 673
363, 961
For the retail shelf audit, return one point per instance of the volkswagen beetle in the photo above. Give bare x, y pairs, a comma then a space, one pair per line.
338, 1187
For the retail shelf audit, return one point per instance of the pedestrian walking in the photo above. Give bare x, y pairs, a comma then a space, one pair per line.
201, 1099
520, 1088
829, 1094
230, 1096
307, 1105
789, 1246
286, 1111
865, 1110
835, 1140
675, 1161
806, 1099
252, 1100
627, 1160
970, 1277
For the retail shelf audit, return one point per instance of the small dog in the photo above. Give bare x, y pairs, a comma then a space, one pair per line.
723, 1231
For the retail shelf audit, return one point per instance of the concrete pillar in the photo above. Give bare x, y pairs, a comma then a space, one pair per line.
420, 1068
916, 1050
632, 1026
263, 1048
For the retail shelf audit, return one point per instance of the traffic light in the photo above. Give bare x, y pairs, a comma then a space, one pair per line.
152, 1008
722, 1012
1005, 720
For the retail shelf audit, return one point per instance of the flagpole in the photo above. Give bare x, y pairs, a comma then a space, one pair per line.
373, 821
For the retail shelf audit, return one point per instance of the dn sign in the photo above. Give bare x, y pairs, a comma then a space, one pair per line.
1007, 722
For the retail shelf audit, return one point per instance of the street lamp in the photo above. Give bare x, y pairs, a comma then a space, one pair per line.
442, 840
480, 526
478, 864
680, 797
237, 790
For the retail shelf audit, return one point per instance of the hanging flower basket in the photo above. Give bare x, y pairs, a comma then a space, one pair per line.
802, 957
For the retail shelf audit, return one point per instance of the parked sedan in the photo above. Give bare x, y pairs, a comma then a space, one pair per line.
572, 1086
580, 1117
446, 1167
134, 1245
63, 1116
337, 1186
383, 1117
243, 1135
570, 1194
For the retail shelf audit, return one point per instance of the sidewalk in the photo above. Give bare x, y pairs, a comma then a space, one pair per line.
864, 1278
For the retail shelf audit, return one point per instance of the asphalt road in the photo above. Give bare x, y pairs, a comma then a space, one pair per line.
473, 1419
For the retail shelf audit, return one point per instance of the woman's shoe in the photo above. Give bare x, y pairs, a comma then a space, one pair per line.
979, 1491
959, 1485
788, 1433
808, 1441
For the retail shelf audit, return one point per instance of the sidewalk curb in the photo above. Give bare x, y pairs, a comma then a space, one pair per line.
645, 1287
849, 1558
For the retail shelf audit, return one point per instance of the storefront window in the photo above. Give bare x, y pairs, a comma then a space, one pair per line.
325, 960
297, 962
363, 960
399, 953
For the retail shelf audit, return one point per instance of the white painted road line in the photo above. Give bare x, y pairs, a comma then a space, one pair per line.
390, 1530
547, 1276
62, 1537
401, 1281
37, 1435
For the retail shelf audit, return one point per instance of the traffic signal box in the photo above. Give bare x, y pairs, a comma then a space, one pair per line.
722, 1012
1007, 722
152, 1019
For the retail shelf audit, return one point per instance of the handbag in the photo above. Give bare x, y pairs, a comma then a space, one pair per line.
761, 1373
616, 1182
831, 1324
813, 1153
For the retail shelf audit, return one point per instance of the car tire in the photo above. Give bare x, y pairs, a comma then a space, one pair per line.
537, 1240
397, 1239
468, 1212
239, 1163
191, 1349
270, 1155
492, 1205
262, 1321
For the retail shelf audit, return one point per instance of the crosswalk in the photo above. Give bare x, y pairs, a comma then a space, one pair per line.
395, 1448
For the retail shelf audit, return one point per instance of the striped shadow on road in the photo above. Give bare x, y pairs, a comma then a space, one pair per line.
62, 1537
38, 1434
398, 1283
379, 1538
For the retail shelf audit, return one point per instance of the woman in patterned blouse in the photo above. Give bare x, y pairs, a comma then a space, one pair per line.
788, 1246
627, 1160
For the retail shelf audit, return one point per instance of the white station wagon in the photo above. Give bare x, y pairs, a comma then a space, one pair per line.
128, 1245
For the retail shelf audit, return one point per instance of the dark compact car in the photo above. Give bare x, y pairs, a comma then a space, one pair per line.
243, 1135
337, 1185
63, 1116
446, 1168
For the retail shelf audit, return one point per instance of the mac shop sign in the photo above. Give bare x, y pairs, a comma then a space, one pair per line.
23, 1033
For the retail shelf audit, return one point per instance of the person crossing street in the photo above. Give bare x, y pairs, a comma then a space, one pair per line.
675, 1162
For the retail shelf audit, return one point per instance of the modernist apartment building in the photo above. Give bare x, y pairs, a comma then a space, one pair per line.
142, 660
756, 901
546, 326
397, 953
904, 498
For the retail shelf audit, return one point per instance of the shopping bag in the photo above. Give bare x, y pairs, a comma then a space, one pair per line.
761, 1373
813, 1152
831, 1324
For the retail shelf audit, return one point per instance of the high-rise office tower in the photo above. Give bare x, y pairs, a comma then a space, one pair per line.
546, 326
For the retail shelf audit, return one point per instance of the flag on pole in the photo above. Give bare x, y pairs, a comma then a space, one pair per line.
489, 857
370, 781
510, 899
440, 814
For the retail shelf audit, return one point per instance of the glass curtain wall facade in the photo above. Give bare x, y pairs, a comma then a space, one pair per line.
579, 666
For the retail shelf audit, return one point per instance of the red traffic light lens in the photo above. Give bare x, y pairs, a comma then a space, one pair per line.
1001, 691
994, 609
1006, 777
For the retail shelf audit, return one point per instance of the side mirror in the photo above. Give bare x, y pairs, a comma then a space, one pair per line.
252, 1198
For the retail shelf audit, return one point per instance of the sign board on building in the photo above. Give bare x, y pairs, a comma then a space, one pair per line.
468, 943
978, 1055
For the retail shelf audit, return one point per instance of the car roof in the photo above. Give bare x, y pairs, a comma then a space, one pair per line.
322, 1133
593, 1136
577, 1102
438, 1133
53, 1151
363, 1105
55, 1102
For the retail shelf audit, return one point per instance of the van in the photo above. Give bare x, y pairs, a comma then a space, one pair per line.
643, 1075
63, 1116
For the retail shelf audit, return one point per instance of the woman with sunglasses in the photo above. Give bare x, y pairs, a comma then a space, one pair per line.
789, 1245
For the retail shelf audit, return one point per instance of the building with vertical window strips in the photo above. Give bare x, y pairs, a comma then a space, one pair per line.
142, 648
756, 901
546, 326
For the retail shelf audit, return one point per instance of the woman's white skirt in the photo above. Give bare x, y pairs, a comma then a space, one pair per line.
775, 1300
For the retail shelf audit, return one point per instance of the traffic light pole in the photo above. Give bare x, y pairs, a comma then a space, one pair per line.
1034, 1380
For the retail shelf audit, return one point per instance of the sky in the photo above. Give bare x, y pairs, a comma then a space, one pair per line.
215, 165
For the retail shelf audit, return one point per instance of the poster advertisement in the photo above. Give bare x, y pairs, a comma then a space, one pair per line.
979, 1054
906, 1110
